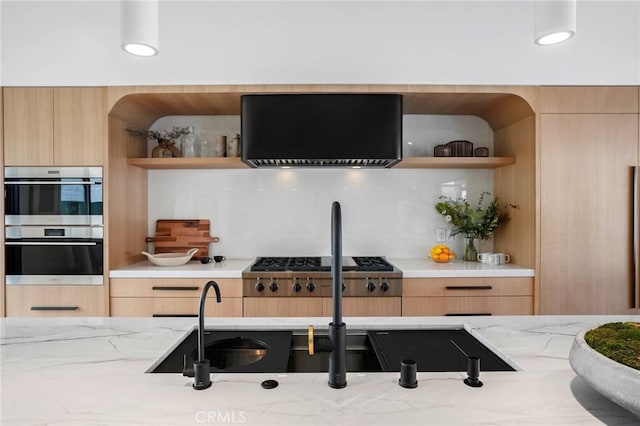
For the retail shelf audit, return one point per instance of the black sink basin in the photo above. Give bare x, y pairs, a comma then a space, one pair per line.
233, 352
247, 351
360, 356
433, 350
259, 351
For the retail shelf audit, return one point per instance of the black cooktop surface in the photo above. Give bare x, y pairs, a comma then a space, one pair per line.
320, 263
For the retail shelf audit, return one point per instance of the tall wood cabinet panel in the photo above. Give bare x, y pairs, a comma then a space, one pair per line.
2, 273
54, 126
586, 212
28, 126
79, 129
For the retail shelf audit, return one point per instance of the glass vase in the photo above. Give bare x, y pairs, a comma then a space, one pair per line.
470, 252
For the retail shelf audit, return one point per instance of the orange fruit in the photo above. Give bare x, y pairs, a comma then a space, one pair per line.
443, 258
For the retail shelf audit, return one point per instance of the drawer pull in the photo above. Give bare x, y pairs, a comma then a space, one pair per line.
469, 287
175, 288
54, 308
480, 314
174, 315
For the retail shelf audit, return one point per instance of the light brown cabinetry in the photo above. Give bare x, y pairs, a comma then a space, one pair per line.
2, 273
54, 126
365, 306
146, 297
320, 306
55, 301
588, 146
282, 306
467, 296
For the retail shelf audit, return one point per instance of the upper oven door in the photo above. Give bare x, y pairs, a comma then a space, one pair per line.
53, 196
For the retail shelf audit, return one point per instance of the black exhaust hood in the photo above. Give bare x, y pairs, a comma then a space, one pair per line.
322, 130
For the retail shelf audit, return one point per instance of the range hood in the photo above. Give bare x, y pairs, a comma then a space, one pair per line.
322, 130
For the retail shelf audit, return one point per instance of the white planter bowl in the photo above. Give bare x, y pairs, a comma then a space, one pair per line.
619, 383
170, 259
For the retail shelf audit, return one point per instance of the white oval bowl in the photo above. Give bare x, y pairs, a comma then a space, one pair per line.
618, 382
170, 259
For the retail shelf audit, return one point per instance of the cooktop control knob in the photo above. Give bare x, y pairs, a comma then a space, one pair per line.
259, 286
296, 285
371, 286
273, 286
310, 286
384, 286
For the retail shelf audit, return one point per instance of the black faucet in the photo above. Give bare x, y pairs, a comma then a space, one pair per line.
201, 367
337, 329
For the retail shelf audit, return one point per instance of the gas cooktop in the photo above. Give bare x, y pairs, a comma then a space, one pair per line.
320, 263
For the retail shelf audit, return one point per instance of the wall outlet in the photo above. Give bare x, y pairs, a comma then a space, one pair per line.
441, 235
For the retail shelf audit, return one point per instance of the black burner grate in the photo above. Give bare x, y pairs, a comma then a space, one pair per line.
371, 263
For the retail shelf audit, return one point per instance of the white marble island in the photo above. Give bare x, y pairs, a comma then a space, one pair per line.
90, 371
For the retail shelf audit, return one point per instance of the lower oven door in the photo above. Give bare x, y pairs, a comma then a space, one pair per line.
54, 261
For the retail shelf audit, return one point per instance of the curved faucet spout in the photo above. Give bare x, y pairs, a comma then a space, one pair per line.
201, 367
203, 299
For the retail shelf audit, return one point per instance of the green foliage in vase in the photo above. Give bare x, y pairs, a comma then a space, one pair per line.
619, 341
474, 222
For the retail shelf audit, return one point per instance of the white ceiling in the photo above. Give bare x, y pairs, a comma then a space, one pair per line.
242, 42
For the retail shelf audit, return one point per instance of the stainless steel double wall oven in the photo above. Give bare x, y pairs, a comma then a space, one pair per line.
54, 225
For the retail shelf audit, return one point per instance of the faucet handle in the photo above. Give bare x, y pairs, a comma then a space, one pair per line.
310, 340
186, 371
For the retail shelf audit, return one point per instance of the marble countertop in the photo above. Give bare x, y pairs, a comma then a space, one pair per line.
411, 268
426, 268
230, 268
90, 371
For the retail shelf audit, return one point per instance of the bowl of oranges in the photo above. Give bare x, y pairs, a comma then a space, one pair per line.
441, 254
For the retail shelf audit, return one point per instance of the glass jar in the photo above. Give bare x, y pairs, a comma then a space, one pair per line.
190, 143
470, 252
207, 148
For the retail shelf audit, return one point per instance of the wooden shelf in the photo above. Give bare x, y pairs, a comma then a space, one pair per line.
454, 162
407, 163
188, 163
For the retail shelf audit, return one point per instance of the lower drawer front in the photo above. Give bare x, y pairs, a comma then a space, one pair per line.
172, 287
438, 306
173, 307
365, 306
55, 301
460, 287
282, 307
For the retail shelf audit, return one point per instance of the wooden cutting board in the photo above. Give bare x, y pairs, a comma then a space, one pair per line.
180, 235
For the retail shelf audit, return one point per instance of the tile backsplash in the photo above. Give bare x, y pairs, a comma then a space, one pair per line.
286, 212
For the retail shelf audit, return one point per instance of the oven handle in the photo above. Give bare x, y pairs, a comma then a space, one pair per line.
44, 182
47, 243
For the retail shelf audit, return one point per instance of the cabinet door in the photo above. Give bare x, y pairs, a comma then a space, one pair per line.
28, 126
586, 212
79, 126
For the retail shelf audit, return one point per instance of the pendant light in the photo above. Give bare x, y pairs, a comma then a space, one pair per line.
140, 27
555, 21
